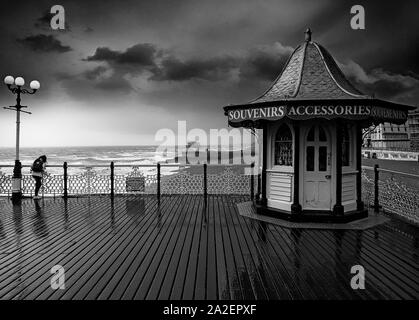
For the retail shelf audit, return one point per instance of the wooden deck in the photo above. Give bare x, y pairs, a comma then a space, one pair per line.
133, 248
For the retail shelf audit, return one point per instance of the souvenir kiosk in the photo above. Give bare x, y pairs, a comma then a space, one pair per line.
312, 120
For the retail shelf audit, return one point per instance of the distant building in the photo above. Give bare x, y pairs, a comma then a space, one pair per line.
389, 136
413, 126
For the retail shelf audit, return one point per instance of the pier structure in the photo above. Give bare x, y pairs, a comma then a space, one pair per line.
189, 247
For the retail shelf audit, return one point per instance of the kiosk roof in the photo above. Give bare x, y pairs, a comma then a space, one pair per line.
312, 78
310, 73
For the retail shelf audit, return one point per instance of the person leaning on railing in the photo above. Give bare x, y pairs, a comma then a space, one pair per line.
38, 170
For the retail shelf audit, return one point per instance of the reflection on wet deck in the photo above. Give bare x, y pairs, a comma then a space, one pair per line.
132, 247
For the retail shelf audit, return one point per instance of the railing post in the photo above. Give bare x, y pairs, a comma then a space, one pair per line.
252, 181
65, 166
158, 181
258, 194
205, 181
376, 179
112, 178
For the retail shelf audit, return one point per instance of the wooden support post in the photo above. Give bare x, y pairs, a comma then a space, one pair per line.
205, 181
376, 179
296, 206
112, 178
358, 142
264, 200
338, 208
158, 181
65, 166
258, 194
252, 181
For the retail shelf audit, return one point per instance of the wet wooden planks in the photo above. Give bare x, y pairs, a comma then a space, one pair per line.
186, 247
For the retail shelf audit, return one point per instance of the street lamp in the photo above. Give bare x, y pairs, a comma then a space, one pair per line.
17, 89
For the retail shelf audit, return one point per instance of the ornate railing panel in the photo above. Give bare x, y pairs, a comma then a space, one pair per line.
228, 182
5, 182
52, 184
394, 196
367, 187
182, 183
89, 182
394, 193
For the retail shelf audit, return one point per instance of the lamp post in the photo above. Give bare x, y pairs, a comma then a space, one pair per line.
15, 86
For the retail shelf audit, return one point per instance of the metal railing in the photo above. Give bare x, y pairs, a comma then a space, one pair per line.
398, 149
392, 191
124, 179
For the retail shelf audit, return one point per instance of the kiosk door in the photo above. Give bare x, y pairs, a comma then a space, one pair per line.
317, 178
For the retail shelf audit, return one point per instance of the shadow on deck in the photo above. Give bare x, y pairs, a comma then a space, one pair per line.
133, 248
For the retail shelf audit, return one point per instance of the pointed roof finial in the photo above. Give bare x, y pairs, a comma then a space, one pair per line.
308, 34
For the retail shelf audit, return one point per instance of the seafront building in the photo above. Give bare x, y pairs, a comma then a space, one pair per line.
388, 136
413, 127
392, 137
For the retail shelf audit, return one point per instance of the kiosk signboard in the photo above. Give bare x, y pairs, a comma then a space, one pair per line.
302, 112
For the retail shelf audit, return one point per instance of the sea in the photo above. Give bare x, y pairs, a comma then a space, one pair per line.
135, 155
92, 156
87, 157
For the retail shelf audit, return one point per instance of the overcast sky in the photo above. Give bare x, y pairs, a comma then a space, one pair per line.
124, 69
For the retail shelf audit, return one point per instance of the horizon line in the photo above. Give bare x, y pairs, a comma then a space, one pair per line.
80, 146
104, 146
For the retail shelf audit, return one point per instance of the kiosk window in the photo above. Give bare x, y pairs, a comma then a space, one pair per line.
310, 136
322, 158
322, 134
310, 158
345, 146
283, 146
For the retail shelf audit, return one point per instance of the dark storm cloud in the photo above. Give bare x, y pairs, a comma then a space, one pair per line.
44, 21
391, 86
383, 83
103, 54
93, 74
104, 78
261, 63
173, 69
142, 54
44, 43
265, 63
93, 83
134, 60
